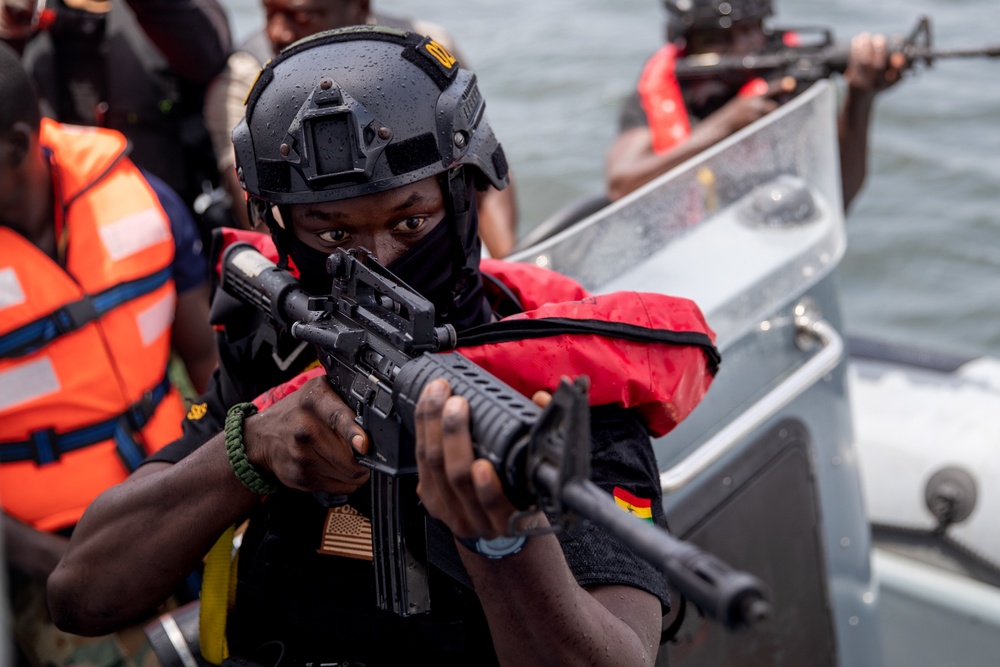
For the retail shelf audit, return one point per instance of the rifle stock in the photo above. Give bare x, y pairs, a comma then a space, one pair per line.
378, 344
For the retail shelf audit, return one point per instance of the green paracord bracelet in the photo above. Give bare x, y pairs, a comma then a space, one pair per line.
245, 472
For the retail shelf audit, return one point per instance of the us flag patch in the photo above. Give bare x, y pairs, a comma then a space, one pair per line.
347, 533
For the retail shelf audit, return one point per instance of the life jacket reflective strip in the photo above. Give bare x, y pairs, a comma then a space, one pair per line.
661, 98
83, 394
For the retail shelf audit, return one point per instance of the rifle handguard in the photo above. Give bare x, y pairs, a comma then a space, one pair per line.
501, 418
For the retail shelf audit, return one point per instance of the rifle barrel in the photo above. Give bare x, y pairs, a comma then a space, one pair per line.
735, 599
831, 59
923, 53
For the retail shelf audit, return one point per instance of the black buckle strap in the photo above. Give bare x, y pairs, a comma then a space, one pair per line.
44, 449
45, 446
72, 316
141, 411
75, 315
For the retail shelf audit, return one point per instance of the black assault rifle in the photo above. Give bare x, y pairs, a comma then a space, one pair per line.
810, 54
377, 341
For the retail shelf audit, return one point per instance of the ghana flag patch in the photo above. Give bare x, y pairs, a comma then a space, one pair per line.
640, 507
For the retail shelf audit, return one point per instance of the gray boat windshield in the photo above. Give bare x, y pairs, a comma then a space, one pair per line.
738, 229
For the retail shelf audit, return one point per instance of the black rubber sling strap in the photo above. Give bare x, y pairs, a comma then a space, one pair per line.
522, 329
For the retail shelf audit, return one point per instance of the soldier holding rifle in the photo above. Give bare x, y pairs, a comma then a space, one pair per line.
373, 137
668, 120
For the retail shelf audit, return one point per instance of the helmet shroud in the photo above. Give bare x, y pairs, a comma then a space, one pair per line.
686, 15
351, 112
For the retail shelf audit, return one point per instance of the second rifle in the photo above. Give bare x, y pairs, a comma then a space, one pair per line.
811, 54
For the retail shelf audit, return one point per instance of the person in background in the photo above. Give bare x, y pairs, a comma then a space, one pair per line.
19, 20
90, 304
139, 67
666, 122
303, 594
288, 21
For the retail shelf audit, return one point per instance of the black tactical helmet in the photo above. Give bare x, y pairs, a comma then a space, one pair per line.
685, 15
365, 109
350, 112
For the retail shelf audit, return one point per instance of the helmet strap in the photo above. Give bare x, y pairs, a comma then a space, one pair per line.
259, 209
460, 195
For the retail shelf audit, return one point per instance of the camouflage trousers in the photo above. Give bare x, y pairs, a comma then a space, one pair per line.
44, 645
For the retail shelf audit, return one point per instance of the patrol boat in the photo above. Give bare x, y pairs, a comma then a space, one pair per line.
853, 477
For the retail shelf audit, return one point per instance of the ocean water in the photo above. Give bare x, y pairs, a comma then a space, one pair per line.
923, 260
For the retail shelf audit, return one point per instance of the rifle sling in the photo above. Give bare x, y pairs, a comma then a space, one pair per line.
506, 331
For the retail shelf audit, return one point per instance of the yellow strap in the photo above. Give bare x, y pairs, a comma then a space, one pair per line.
217, 589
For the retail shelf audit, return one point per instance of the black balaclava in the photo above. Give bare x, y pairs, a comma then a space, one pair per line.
311, 264
443, 266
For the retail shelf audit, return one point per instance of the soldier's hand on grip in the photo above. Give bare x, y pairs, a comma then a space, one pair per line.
308, 441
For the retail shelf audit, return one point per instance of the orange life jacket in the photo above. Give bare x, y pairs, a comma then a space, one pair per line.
663, 102
661, 98
84, 349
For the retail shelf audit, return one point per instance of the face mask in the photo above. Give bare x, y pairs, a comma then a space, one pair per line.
446, 271
311, 264
438, 267
428, 268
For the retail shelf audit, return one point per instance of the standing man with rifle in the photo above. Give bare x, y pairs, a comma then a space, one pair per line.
370, 137
669, 120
